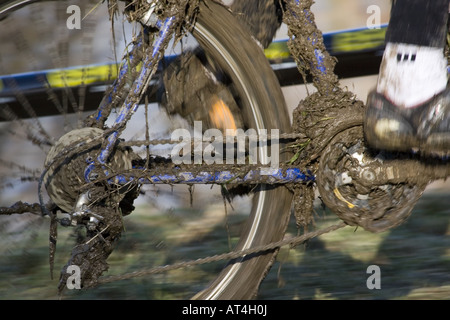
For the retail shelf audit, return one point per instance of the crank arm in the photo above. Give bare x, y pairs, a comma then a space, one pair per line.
401, 170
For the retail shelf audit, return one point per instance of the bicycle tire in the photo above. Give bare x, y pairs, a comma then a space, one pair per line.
271, 210
224, 39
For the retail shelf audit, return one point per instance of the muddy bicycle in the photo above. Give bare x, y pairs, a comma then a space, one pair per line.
92, 175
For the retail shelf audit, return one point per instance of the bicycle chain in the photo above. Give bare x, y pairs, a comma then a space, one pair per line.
235, 169
231, 255
74, 148
153, 142
293, 242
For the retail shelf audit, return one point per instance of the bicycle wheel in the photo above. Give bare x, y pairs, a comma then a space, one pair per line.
261, 105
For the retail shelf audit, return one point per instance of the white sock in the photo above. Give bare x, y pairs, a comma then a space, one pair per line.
411, 74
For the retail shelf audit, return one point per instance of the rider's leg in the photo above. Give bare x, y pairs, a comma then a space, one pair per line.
410, 107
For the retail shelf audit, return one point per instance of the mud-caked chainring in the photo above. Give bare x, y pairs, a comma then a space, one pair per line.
365, 188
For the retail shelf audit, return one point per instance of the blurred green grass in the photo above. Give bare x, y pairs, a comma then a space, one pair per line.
414, 259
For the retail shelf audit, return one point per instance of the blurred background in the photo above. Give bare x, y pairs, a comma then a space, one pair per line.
414, 258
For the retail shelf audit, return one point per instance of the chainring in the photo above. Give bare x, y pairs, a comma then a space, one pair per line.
349, 184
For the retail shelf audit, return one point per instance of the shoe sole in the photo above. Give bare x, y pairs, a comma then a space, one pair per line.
387, 130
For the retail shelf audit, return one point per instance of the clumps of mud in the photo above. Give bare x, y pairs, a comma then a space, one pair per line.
307, 47
91, 254
321, 115
318, 119
262, 18
108, 203
96, 241
136, 10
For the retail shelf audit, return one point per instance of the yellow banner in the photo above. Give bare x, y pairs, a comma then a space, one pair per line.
82, 76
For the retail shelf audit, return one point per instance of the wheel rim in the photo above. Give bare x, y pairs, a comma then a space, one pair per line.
261, 200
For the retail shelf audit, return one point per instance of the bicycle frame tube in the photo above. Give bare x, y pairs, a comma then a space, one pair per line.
260, 175
131, 103
254, 176
317, 52
107, 100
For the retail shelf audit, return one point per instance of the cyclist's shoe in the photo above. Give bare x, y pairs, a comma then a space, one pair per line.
425, 128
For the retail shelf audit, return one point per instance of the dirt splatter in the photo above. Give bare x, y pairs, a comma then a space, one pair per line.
107, 202
307, 47
330, 123
91, 255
